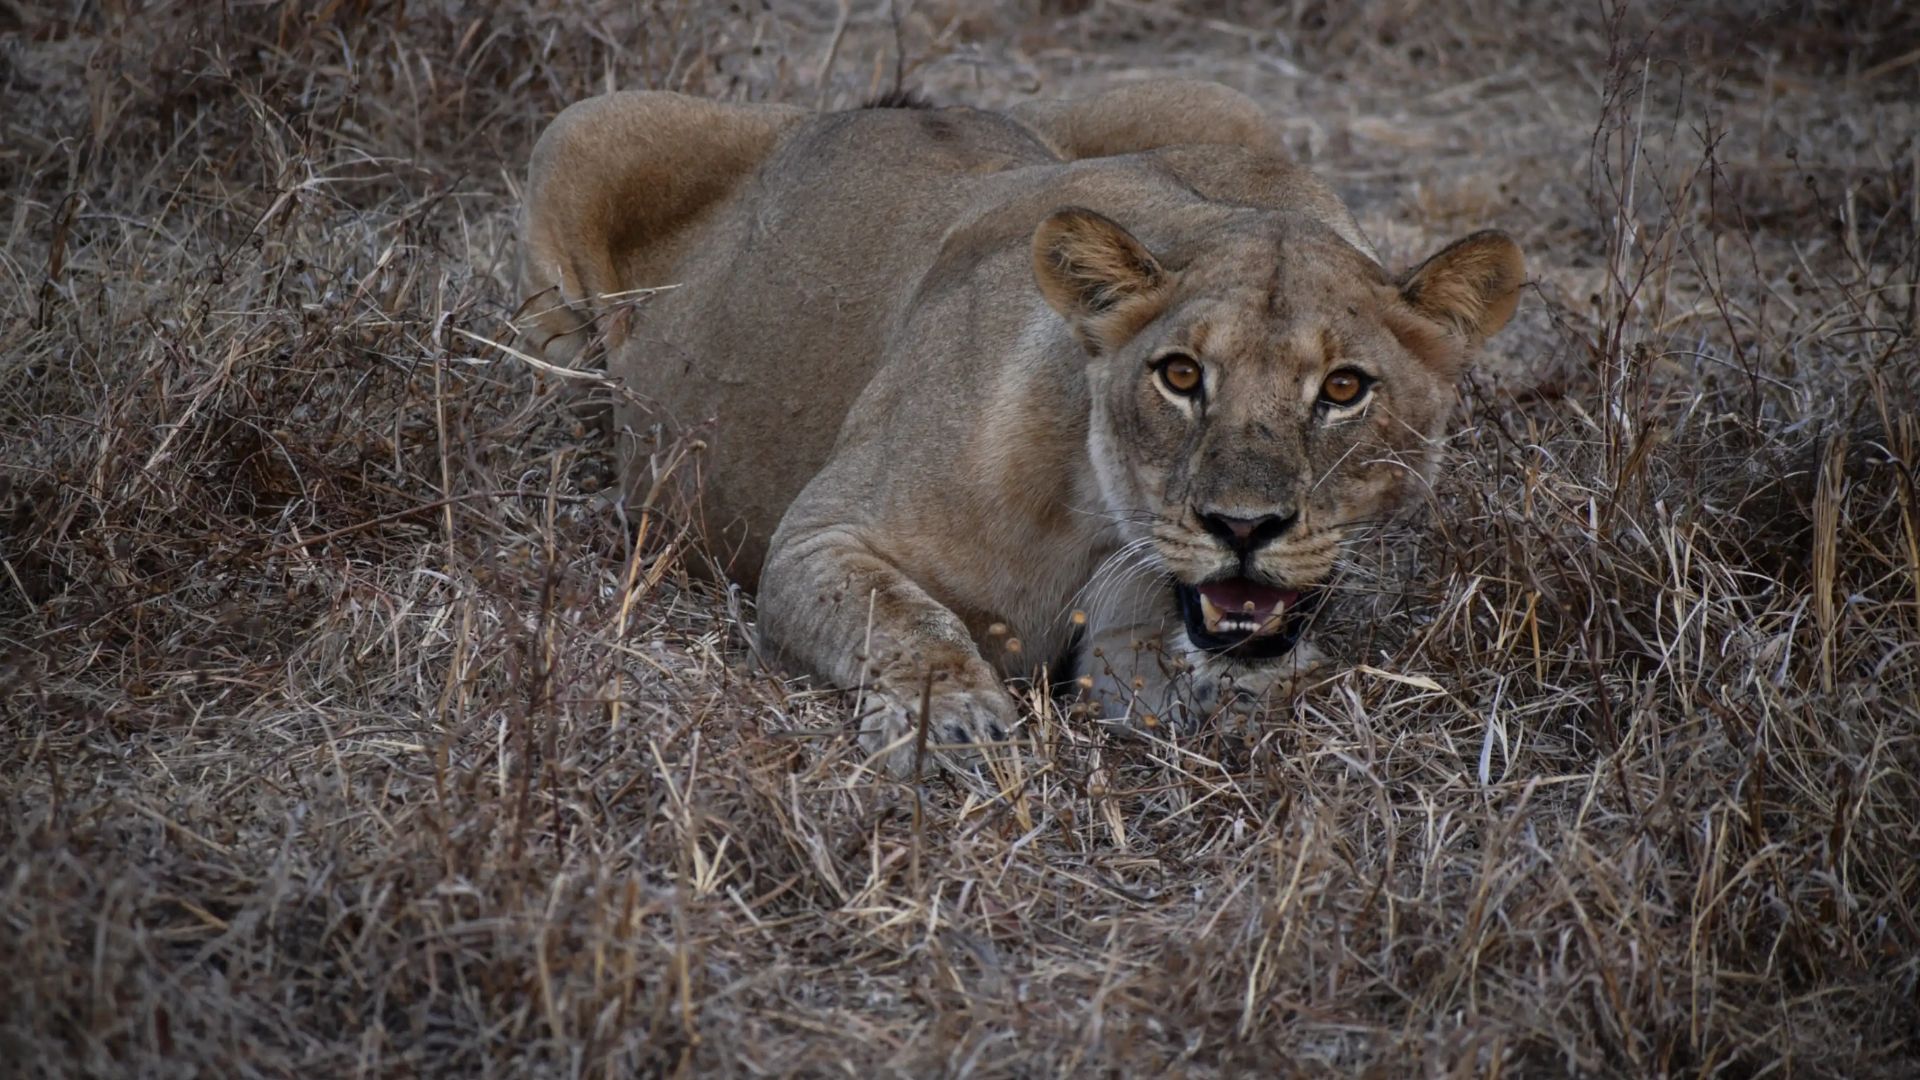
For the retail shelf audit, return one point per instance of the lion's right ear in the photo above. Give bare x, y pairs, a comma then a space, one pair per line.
1095, 274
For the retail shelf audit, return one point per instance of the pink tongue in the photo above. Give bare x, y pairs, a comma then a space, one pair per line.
1231, 596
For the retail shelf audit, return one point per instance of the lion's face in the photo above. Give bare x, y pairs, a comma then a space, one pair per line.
1256, 408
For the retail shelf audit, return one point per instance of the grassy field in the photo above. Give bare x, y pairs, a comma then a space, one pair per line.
348, 731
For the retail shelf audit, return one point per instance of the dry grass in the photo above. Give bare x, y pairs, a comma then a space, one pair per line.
348, 731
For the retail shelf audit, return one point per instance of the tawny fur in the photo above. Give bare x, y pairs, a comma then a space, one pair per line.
918, 345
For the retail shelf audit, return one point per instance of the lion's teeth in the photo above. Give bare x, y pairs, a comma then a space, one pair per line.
1210, 614
1272, 622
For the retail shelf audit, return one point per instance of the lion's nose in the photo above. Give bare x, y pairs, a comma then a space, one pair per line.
1246, 535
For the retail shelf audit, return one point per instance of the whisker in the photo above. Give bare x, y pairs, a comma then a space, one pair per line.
1123, 574
1154, 580
1110, 565
1143, 570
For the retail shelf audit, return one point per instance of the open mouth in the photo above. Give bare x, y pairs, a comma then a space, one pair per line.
1244, 619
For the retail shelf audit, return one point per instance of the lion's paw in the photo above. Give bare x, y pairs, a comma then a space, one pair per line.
961, 720
1251, 689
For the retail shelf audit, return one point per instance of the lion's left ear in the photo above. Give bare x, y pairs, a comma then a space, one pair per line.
1471, 286
1094, 273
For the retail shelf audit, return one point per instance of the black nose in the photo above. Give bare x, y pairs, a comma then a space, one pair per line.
1246, 535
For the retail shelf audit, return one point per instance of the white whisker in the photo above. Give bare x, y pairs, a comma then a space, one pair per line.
1115, 563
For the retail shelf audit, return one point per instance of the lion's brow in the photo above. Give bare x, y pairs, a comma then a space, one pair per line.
1197, 338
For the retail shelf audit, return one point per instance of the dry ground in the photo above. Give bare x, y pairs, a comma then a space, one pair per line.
346, 731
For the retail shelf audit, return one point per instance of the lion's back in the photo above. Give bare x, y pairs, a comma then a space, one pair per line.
798, 264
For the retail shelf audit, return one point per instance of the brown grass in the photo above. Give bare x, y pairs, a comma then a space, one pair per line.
347, 730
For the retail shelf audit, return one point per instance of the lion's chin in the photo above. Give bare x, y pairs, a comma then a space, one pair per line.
1243, 619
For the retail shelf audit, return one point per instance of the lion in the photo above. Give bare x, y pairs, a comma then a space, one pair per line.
1100, 387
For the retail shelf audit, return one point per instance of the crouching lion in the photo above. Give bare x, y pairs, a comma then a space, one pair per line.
1105, 383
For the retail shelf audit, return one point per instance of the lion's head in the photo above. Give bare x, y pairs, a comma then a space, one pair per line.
1261, 394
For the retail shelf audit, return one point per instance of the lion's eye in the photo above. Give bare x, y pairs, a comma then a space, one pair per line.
1344, 387
1181, 374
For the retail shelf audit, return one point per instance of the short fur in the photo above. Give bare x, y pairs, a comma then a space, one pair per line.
925, 341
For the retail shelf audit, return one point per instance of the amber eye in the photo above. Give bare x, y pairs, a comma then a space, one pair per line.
1344, 387
1181, 374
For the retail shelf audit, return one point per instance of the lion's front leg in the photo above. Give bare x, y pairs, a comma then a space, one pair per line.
1134, 675
830, 605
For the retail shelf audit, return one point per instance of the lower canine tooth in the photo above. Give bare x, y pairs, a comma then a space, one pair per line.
1273, 621
1209, 614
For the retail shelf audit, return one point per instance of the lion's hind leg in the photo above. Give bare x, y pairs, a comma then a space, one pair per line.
1148, 116
617, 190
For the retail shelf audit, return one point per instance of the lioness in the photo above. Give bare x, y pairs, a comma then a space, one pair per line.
1108, 381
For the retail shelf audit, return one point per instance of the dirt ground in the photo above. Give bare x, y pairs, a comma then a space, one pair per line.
348, 731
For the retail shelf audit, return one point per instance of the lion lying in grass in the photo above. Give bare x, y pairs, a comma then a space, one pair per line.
1104, 382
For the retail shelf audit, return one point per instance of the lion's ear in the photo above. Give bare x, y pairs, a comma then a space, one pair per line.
1471, 286
1095, 274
